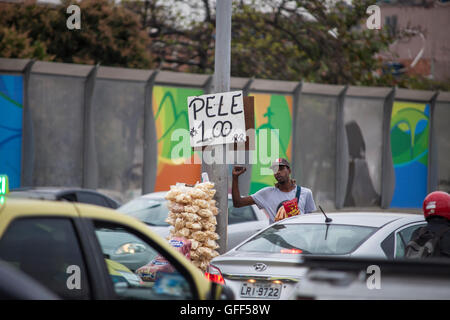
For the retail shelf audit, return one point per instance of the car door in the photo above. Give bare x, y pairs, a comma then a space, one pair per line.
48, 249
161, 277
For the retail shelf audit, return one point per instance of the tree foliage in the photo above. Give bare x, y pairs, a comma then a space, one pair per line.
17, 44
308, 40
182, 40
311, 40
109, 34
316, 41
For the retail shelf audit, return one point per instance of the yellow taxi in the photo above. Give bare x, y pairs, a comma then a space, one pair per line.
67, 248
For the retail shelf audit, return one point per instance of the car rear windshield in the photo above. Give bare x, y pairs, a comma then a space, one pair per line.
150, 211
309, 239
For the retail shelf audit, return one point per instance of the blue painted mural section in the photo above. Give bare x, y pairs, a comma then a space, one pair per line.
409, 146
410, 186
11, 108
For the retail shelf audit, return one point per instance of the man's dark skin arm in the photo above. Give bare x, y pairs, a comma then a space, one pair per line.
239, 201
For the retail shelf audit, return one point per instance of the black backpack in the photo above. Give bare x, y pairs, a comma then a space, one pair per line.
425, 244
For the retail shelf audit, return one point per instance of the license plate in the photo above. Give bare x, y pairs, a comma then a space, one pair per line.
260, 290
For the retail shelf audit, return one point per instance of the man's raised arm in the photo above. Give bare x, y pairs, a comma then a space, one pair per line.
239, 201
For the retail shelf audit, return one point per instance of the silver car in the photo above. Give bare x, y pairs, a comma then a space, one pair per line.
266, 266
152, 209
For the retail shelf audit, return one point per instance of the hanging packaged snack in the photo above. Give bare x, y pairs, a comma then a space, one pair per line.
192, 216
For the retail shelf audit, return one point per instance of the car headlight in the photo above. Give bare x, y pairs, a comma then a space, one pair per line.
130, 248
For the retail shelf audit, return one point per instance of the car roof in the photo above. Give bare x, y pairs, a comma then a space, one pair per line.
30, 206
47, 193
52, 193
375, 219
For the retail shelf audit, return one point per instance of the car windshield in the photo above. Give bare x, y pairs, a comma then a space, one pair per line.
309, 239
150, 211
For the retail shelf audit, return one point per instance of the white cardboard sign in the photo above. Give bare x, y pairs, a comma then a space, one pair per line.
216, 119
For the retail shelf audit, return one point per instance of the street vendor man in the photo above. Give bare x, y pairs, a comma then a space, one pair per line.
283, 200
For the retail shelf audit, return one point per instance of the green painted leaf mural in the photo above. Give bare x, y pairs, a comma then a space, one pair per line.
272, 117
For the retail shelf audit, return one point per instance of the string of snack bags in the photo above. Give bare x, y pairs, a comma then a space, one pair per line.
192, 214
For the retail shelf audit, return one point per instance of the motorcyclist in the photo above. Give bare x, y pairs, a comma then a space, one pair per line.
433, 240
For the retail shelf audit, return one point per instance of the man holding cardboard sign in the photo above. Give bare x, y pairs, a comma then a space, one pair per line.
283, 200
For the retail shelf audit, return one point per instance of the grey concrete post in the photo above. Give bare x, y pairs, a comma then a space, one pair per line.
150, 139
208, 88
295, 107
433, 175
387, 166
340, 156
90, 164
27, 140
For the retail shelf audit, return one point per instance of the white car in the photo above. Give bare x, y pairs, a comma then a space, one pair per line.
266, 266
152, 209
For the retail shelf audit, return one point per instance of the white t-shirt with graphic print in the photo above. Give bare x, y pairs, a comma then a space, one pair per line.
270, 197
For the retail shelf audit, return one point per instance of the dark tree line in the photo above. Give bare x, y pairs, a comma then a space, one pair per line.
312, 40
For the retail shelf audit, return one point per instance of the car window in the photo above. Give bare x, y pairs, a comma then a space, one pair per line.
138, 269
71, 197
387, 245
92, 198
238, 215
402, 237
309, 239
48, 250
153, 212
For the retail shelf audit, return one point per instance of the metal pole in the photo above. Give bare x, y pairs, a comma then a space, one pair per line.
218, 172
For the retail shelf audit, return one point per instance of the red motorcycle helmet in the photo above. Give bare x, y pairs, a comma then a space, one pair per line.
437, 203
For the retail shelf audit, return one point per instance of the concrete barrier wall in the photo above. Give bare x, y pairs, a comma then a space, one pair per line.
315, 147
113, 128
362, 147
56, 93
118, 104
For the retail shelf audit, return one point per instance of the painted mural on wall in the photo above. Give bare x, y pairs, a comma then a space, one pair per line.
11, 107
271, 112
170, 114
409, 146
